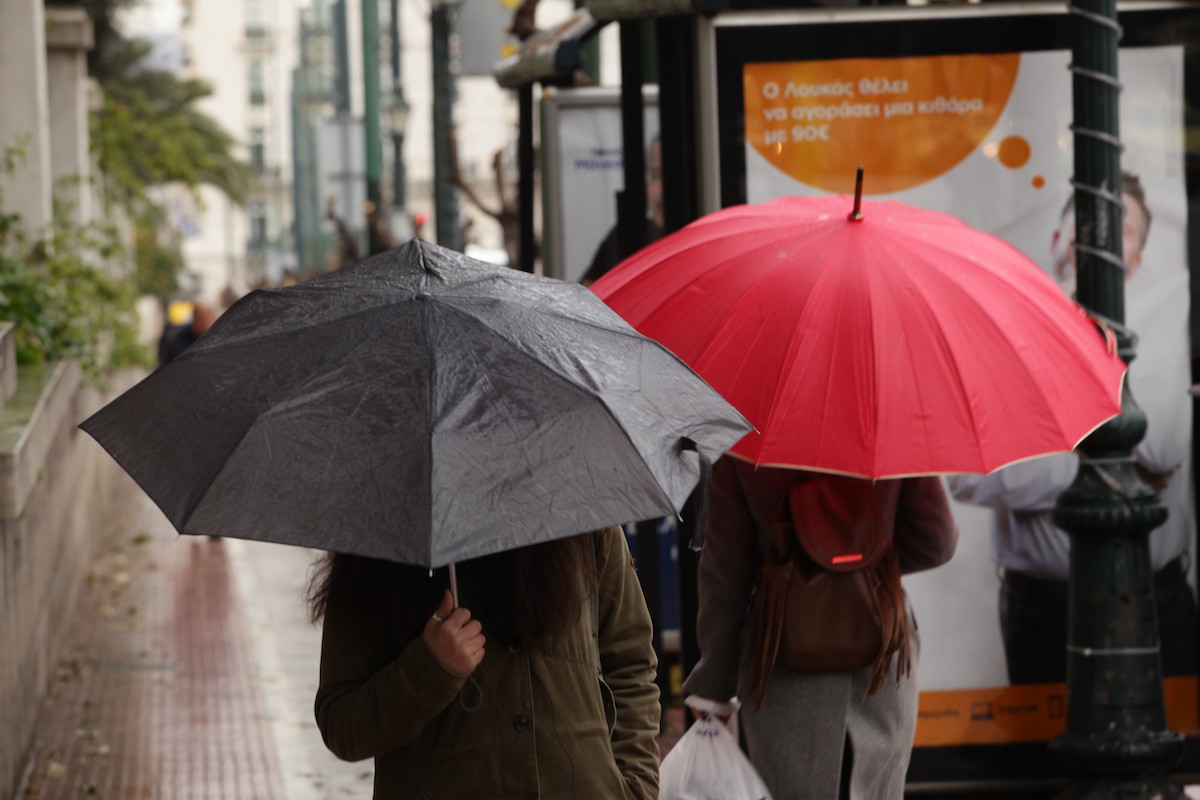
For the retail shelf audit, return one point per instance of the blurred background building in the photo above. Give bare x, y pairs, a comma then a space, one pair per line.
288, 85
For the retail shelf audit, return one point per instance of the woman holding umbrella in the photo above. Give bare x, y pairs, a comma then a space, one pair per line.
426, 409
814, 735
499, 697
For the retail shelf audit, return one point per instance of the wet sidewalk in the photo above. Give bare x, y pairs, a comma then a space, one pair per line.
161, 690
189, 675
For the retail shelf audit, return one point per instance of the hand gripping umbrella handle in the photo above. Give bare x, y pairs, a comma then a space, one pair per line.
462, 698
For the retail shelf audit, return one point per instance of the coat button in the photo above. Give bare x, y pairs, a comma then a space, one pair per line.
521, 722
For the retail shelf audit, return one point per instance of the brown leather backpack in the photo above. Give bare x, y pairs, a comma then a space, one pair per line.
830, 597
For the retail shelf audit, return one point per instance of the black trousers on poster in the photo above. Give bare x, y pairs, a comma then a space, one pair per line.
1033, 622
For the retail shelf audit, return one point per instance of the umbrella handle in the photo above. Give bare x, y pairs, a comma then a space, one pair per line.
462, 698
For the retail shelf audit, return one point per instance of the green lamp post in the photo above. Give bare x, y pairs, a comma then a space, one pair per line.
443, 16
1117, 744
398, 121
371, 127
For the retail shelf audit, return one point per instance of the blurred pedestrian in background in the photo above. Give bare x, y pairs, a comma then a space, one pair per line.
178, 338
608, 252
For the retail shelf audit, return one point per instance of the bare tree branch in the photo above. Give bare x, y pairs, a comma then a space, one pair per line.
381, 231
349, 254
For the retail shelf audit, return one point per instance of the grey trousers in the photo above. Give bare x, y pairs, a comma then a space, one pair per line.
796, 739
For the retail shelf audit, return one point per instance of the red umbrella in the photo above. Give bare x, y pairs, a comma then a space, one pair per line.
896, 342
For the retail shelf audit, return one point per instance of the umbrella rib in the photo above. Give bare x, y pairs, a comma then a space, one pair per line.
622, 327
426, 325
782, 266
1042, 311
565, 379
201, 347
786, 367
947, 345
296, 389
692, 247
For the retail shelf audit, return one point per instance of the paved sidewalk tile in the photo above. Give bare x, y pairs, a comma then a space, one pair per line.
156, 695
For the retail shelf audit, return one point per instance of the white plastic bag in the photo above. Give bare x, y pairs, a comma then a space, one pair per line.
706, 764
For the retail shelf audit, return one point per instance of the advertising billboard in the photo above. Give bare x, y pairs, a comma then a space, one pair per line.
583, 169
969, 111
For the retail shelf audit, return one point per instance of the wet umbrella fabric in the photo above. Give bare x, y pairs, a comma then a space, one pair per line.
422, 407
904, 343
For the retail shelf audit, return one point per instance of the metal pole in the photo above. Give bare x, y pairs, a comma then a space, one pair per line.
678, 132
449, 229
631, 205
1117, 744
341, 51
678, 126
300, 166
374, 146
525, 168
399, 173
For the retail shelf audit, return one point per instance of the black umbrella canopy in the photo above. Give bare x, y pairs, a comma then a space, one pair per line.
420, 406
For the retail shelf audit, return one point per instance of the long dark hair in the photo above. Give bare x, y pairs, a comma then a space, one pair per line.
523, 597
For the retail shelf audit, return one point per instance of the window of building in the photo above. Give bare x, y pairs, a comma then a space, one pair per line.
258, 149
256, 19
258, 226
258, 88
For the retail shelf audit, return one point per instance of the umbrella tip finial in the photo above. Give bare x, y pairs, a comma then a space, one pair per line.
856, 214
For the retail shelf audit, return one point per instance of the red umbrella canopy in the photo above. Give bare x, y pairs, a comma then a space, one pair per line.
902, 343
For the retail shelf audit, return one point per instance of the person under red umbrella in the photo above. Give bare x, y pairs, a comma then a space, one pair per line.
881, 346
811, 735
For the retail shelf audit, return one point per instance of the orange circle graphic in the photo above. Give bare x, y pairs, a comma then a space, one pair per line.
1014, 152
1038, 182
906, 120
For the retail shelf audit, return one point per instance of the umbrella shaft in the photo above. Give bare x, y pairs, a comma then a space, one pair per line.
454, 585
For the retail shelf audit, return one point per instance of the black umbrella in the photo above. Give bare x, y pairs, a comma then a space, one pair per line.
420, 406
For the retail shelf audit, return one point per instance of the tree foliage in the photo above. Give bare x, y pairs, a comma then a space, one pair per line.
149, 132
59, 288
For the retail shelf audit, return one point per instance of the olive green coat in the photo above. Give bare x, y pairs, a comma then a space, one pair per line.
540, 729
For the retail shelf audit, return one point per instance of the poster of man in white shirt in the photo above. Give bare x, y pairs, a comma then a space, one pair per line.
998, 155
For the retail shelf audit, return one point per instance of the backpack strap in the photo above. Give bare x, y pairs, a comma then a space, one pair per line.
892, 612
770, 600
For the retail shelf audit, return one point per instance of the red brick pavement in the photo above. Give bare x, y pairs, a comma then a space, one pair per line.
156, 695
